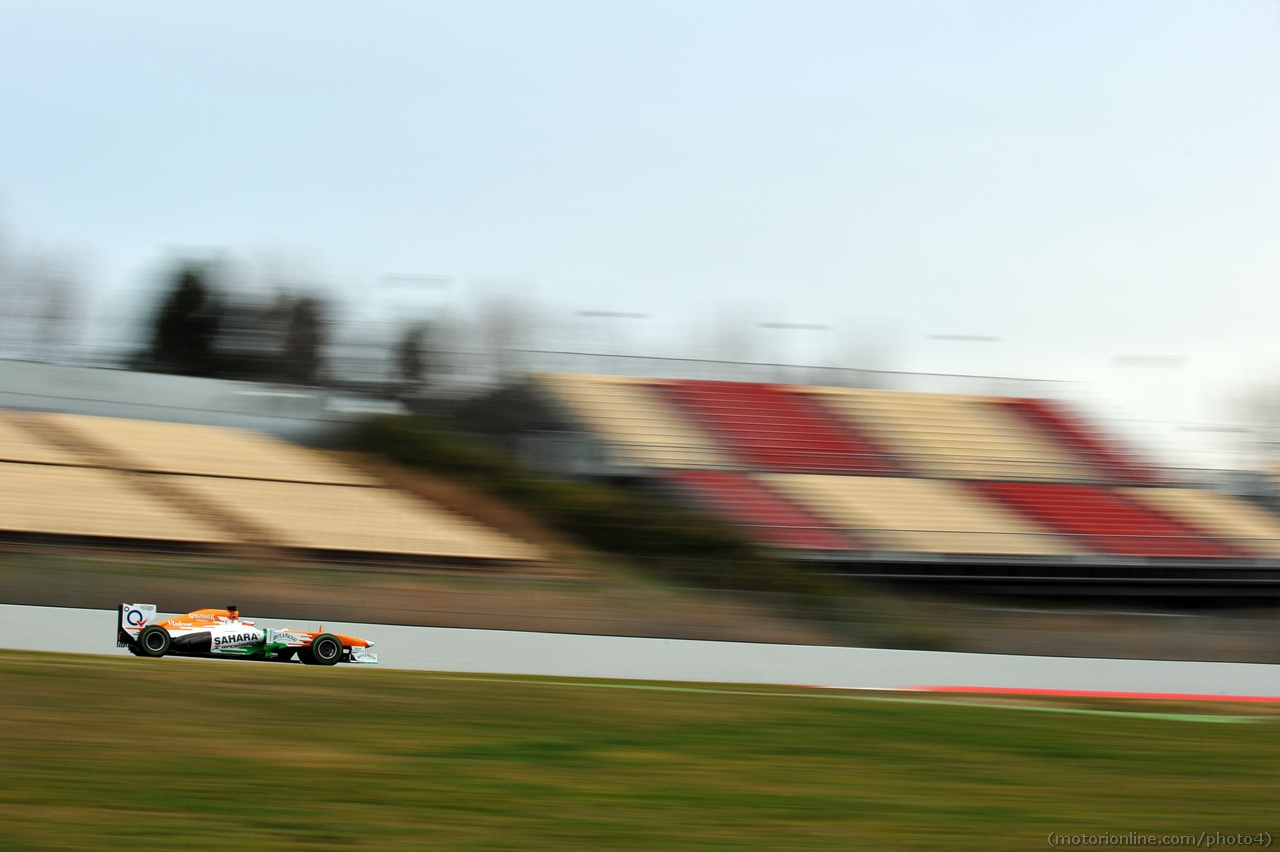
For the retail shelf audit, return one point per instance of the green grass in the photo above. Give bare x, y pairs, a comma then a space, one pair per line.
111, 753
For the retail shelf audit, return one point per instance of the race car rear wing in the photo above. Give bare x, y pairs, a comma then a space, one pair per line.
131, 620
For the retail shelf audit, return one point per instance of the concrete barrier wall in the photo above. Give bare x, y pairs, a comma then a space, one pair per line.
619, 657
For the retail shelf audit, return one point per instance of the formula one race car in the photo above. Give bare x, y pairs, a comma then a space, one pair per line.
221, 633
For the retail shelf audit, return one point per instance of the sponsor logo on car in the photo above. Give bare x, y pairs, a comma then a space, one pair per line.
236, 639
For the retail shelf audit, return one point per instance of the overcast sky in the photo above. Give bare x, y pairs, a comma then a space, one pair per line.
1080, 180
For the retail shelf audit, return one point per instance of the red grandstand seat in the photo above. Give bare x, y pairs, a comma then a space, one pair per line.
770, 518
1104, 520
776, 429
1067, 429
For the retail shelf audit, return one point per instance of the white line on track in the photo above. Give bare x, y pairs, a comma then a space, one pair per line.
87, 631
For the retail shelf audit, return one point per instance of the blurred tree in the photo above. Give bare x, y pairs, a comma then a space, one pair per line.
186, 326
414, 360
505, 326
55, 315
304, 341
40, 304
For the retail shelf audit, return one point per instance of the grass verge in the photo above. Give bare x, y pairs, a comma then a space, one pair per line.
108, 753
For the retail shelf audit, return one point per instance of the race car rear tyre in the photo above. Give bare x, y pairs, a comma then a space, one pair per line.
326, 650
154, 641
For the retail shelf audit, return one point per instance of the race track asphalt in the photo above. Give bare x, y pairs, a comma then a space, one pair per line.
86, 631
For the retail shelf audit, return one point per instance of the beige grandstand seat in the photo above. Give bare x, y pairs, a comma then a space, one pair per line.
638, 424
78, 501
18, 443
1249, 528
109, 478
958, 437
354, 519
918, 515
205, 450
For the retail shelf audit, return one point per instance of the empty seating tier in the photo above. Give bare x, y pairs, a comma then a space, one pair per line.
955, 437
775, 429
203, 450
1111, 461
637, 424
919, 515
90, 503
103, 478
1105, 521
1249, 528
19, 442
767, 517
337, 518
970, 475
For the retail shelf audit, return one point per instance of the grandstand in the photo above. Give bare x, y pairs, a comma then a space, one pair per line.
1112, 463
338, 520
1106, 521
97, 481
775, 428
177, 448
1245, 526
639, 428
770, 517
954, 437
876, 478
918, 515
961, 489
92, 504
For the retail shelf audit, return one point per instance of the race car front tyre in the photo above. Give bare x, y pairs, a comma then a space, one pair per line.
154, 641
326, 650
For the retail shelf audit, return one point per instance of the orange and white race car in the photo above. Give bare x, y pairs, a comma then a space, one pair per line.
222, 633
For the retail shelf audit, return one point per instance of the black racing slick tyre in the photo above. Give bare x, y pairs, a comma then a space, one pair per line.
325, 650
154, 641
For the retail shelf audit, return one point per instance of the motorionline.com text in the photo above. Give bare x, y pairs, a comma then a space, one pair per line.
1203, 840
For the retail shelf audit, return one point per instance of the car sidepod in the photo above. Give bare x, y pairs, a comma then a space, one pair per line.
237, 639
